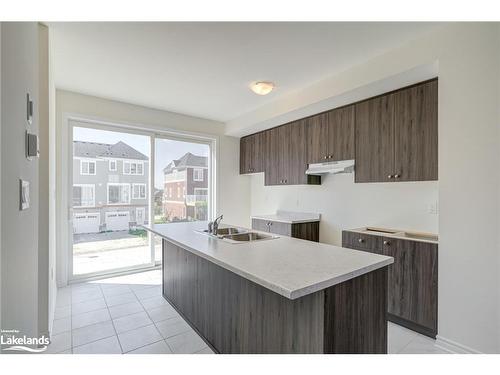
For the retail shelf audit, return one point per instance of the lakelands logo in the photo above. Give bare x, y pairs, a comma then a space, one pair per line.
11, 341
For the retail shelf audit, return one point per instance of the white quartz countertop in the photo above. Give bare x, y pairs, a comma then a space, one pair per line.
290, 217
288, 266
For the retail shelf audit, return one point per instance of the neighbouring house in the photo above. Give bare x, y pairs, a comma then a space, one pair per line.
186, 188
110, 187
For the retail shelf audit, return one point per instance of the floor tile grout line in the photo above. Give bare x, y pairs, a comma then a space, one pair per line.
113, 324
147, 312
165, 338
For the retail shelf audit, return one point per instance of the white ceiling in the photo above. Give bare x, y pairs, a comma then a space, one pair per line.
204, 69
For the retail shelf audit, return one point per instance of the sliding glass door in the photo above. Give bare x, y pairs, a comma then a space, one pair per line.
123, 178
110, 200
183, 181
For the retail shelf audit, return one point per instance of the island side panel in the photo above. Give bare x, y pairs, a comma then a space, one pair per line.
356, 315
235, 315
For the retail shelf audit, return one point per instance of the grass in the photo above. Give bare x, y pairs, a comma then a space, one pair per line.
138, 232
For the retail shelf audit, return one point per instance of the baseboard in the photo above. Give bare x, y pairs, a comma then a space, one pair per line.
454, 347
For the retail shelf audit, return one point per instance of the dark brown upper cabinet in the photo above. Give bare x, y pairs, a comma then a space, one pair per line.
330, 135
416, 133
396, 136
251, 153
392, 137
375, 140
286, 155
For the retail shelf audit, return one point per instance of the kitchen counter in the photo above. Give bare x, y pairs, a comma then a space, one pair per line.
288, 266
289, 217
399, 234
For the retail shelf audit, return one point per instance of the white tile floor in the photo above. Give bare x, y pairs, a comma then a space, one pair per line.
128, 314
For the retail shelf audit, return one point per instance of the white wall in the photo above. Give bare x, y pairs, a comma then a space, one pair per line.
232, 187
0, 177
52, 187
43, 182
344, 204
19, 228
468, 188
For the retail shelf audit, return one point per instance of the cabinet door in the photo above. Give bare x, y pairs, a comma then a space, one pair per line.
416, 133
317, 135
259, 224
413, 281
340, 135
375, 140
296, 157
251, 153
272, 167
245, 154
259, 152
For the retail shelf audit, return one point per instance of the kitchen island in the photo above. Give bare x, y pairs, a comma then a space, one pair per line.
278, 295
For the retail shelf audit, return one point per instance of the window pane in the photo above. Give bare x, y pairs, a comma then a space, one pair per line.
77, 196
175, 179
106, 235
114, 194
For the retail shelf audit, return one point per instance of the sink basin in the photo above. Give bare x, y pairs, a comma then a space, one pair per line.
249, 236
226, 231
229, 230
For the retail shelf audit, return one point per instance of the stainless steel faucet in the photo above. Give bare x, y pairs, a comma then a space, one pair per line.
213, 226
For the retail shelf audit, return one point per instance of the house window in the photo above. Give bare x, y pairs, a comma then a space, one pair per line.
198, 174
87, 167
133, 167
178, 191
83, 195
112, 165
170, 192
138, 191
118, 193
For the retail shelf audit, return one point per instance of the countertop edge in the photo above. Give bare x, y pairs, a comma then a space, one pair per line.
290, 294
286, 221
395, 236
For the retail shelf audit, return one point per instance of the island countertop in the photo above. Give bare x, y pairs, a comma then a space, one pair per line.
288, 266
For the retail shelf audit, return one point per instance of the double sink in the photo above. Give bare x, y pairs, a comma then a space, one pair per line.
237, 235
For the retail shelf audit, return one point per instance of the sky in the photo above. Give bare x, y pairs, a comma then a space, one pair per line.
166, 149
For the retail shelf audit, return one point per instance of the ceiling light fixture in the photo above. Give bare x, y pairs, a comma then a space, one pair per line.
262, 87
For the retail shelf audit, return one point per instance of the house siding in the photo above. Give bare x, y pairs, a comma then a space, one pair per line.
100, 180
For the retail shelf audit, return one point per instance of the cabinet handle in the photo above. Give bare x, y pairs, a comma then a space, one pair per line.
286, 181
270, 223
390, 176
397, 175
361, 240
326, 157
387, 243
330, 156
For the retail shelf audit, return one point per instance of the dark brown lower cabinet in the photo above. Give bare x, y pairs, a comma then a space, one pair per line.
412, 280
235, 315
304, 231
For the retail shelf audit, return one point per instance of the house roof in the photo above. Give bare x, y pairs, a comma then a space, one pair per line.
187, 160
118, 150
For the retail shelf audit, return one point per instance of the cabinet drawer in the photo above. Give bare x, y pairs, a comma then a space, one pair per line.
361, 241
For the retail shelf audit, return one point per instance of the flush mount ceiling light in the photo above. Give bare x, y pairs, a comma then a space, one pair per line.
262, 87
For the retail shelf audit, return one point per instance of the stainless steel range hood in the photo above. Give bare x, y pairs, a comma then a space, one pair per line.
342, 166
